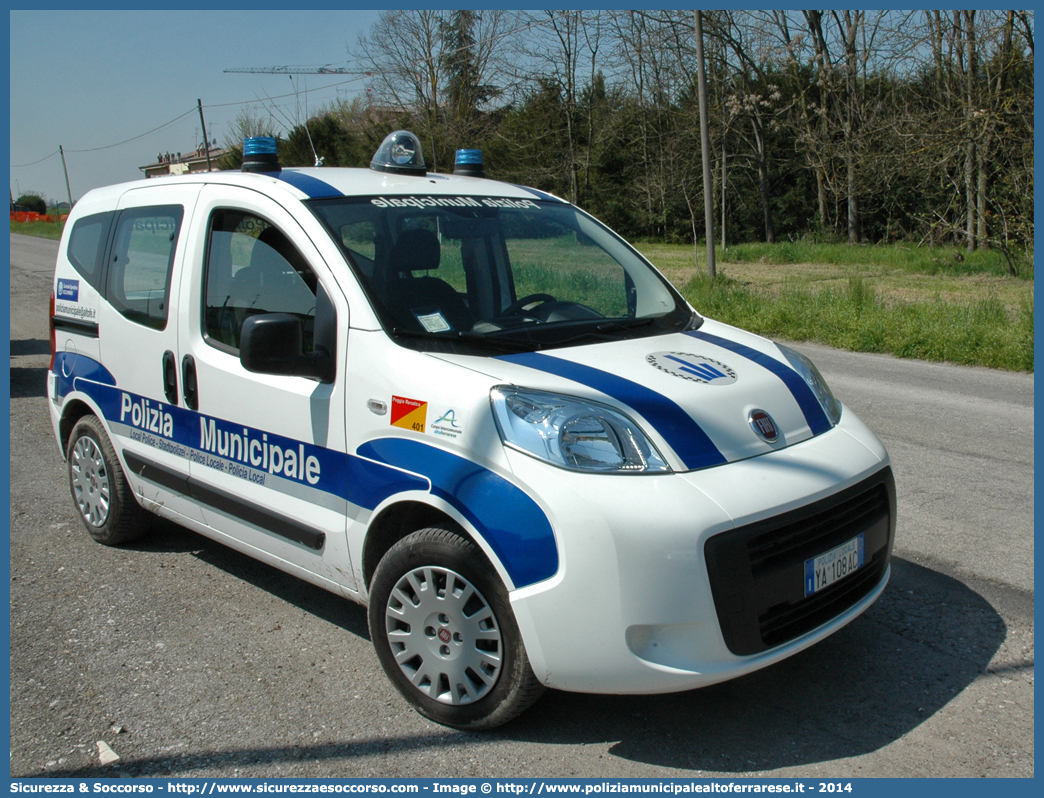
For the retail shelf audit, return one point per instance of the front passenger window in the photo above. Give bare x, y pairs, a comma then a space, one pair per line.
252, 268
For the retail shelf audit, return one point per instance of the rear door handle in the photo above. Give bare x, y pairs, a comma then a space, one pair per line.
170, 377
188, 382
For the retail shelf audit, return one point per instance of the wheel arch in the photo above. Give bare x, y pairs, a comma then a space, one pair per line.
72, 412
394, 522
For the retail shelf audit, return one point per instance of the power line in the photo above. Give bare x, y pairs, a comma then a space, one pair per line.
287, 70
165, 125
143, 135
321, 70
108, 146
34, 163
292, 94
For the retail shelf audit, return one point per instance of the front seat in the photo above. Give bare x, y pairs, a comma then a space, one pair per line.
258, 287
408, 296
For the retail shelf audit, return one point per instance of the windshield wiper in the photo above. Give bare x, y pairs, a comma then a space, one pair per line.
627, 324
534, 338
505, 342
458, 336
608, 330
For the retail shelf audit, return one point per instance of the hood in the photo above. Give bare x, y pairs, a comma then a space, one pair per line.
705, 398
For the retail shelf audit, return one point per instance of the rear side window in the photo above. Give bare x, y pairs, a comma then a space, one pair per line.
141, 261
87, 246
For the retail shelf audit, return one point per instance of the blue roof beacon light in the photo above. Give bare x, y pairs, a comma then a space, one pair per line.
469, 163
400, 153
260, 154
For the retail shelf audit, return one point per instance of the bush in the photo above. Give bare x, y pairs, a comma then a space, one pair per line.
33, 203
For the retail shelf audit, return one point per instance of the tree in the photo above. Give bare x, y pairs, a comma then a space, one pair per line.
754, 99
472, 69
248, 123
33, 202
403, 55
555, 48
438, 68
862, 125
327, 137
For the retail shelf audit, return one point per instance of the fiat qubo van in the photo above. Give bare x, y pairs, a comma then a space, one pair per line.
471, 407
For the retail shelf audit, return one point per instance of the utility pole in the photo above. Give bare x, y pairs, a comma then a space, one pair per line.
206, 144
66, 170
708, 189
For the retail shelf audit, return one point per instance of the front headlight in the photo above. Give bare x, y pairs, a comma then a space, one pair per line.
573, 433
810, 374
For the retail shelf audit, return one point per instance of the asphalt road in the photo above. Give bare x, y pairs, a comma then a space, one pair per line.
191, 660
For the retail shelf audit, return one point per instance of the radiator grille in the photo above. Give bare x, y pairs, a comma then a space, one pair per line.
757, 571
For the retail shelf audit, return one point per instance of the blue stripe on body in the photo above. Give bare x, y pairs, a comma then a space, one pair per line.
70, 366
370, 483
803, 395
678, 428
507, 518
312, 186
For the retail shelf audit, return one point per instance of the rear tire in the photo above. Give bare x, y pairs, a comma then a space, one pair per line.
445, 633
103, 498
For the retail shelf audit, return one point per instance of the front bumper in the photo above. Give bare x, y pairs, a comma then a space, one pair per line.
656, 591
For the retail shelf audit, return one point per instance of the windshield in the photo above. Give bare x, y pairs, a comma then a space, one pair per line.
456, 273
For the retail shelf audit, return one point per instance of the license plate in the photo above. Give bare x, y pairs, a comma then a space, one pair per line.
835, 564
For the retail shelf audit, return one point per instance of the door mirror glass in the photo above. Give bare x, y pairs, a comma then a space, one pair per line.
273, 343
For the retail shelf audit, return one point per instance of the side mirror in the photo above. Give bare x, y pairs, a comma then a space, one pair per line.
271, 343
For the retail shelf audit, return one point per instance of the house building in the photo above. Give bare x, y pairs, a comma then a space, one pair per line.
183, 163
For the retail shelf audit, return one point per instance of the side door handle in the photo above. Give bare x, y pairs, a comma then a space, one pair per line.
170, 377
188, 382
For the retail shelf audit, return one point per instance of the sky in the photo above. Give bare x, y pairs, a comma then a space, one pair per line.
90, 80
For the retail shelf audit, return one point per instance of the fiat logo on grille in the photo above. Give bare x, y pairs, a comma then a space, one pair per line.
763, 425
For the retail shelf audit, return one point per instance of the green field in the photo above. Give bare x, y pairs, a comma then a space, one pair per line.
909, 302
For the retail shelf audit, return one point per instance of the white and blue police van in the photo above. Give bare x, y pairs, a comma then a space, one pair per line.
471, 407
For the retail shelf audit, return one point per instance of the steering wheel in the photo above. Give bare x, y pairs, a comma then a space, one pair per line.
520, 304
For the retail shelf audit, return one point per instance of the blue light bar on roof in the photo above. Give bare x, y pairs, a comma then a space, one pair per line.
260, 154
469, 163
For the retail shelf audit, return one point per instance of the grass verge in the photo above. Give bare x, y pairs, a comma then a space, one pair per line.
906, 301
39, 229
912, 259
978, 332
877, 257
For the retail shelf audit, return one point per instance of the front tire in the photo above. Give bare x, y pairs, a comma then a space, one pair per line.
100, 491
445, 634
